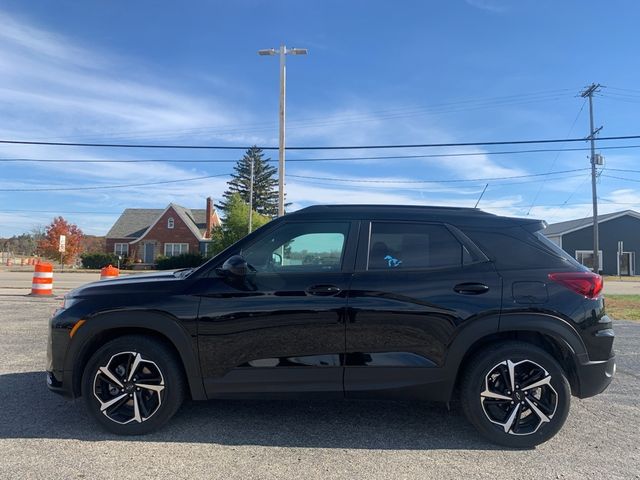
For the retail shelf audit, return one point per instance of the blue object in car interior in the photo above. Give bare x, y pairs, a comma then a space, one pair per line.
392, 262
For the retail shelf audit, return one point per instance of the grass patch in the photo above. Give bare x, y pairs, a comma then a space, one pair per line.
623, 307
615, 278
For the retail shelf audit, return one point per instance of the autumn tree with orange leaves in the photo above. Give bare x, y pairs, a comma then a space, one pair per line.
49, 244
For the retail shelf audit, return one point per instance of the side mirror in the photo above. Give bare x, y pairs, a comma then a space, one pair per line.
235, 266
276, 259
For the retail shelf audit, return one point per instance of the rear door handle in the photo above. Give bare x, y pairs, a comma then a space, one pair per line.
323, 290
471, 288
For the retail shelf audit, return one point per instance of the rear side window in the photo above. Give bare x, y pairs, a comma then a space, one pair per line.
412, 245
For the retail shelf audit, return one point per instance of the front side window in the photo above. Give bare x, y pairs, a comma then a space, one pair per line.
173, 249
413, 245
299, 247
170, 222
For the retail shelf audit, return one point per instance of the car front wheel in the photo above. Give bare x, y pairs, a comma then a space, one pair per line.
515, 394
133, 385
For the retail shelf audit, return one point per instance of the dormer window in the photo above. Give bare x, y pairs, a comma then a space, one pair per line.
170, 222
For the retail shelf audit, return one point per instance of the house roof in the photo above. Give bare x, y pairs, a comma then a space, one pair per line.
569, 226
134, 222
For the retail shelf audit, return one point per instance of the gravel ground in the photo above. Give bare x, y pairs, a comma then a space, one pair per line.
45, 436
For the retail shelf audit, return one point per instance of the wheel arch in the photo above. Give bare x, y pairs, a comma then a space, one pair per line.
103, 328
553, 334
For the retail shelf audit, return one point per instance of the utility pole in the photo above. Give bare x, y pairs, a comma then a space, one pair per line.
251, 198
283, 51
588, 93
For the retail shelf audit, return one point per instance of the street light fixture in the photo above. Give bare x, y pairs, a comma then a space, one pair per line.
283, 51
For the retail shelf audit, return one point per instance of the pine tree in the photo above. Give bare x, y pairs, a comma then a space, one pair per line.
265, 183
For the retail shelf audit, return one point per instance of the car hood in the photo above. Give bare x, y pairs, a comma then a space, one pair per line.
128, 283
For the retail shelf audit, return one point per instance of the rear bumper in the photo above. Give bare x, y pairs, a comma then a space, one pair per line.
594, 377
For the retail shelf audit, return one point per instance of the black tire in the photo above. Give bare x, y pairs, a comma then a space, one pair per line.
157, 366
478, 387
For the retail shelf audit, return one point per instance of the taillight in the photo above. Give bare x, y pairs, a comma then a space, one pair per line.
587, 284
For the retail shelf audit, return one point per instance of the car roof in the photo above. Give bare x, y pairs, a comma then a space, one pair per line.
453, 215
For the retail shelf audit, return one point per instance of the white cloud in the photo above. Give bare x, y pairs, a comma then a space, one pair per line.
65, 89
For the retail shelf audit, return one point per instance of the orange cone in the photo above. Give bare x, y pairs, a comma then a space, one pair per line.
42, 280
109, 272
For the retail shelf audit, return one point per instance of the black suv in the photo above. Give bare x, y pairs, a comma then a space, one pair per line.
365, 301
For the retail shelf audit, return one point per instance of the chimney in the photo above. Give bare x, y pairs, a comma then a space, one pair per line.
209, 214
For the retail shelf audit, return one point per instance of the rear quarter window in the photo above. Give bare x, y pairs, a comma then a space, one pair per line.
519, 248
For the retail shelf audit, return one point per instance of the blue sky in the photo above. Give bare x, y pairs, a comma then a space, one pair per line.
377, 72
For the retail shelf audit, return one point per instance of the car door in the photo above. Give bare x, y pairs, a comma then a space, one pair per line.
280, 329
415, 285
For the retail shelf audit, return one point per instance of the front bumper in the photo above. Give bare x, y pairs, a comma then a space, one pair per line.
594, 377
57, 379
54, 384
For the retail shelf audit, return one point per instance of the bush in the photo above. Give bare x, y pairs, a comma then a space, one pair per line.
98, 260
186, 260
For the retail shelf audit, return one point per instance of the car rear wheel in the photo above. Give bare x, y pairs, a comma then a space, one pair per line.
133, 385
515, 394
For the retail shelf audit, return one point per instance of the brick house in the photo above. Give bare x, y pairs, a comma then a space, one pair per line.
146, 233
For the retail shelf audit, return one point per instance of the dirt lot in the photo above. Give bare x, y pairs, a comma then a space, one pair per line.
44, 436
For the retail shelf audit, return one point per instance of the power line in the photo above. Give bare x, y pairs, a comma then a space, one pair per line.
346, 147
439, 181
553, 164
334, 159
395, 187
102, 187
621, 178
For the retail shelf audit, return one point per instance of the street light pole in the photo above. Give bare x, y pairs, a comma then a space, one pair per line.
283, 51
281, 135
251, 181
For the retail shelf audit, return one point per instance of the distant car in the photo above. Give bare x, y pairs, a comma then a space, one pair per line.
399, 302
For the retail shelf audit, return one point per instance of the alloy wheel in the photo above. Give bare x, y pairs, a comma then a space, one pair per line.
129, 388
518, 397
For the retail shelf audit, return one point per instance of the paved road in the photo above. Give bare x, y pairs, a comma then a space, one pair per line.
44, 436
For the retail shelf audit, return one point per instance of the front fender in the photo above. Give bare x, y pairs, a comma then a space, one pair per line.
160, 323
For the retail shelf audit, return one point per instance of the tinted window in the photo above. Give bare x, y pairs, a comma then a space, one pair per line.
559, 251
299, 247
412, 245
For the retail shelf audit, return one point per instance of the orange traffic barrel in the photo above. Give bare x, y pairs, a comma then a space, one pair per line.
42, 283
109, 272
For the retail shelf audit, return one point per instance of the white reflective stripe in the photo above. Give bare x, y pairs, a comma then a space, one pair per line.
41, 286
42, 274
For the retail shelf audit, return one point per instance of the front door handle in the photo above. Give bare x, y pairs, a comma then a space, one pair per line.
323, 290
471, 288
